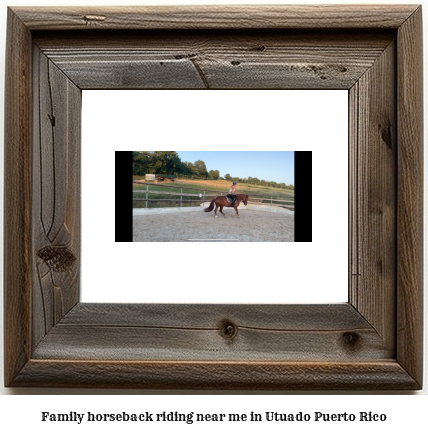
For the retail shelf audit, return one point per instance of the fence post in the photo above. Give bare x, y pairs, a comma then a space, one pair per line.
147, 195
181, 197
204, 200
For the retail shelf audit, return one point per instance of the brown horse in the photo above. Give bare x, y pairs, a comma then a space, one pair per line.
221, 201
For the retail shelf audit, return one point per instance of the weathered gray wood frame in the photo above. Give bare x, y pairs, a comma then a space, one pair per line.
372, 342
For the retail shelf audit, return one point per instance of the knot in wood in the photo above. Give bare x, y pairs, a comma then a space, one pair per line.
228, 330
386, 134
58, 259
351, 340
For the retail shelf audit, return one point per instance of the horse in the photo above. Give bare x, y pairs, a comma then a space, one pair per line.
221, 201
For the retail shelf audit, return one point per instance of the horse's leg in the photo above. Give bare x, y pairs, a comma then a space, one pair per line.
221, 210
236, 211
216, 208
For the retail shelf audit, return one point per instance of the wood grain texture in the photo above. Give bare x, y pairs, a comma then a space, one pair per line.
17, 199
373, 167
199, 332
213, 16
385, 375
374, 342
340, 317
55, 194
410, 197
216, 59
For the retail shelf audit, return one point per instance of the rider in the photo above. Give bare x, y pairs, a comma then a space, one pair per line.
231, 194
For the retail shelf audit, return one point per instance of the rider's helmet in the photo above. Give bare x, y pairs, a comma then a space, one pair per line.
234, 183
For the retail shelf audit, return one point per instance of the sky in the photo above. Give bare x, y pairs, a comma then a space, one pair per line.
277, 166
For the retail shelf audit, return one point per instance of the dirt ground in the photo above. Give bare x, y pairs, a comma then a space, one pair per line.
252, 226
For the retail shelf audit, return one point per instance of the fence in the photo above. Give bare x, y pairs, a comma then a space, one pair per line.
204, 196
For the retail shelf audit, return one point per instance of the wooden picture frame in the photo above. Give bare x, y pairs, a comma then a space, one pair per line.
372, 342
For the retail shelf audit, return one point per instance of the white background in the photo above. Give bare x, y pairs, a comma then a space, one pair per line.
405, 413
239, 120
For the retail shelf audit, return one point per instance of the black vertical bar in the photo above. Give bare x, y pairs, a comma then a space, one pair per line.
123, 196
303, 196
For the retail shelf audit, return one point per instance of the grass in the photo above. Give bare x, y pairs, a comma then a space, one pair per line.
221, 187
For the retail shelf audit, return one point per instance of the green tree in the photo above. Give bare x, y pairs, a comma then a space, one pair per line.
158, 162
191, 167
141, 162
214, 174
227, 177
166, 162
201, 169
184, 169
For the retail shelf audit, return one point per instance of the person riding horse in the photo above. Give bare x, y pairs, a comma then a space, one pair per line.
222, 202
231, 195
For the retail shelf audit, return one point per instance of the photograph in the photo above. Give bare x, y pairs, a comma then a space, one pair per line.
176, 194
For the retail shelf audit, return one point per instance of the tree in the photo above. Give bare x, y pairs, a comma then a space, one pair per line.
184, 169
156, 162
214, 174
191, 167
141, 162
167, 162
201, 169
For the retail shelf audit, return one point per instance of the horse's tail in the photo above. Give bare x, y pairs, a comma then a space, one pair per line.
211, 207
